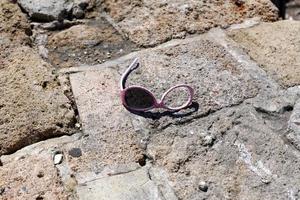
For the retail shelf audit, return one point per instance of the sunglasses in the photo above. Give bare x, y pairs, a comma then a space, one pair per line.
137, 98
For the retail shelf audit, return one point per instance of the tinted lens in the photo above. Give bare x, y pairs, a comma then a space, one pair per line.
138, 98
177, 97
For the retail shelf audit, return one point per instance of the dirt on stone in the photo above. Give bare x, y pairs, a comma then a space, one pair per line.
90, 43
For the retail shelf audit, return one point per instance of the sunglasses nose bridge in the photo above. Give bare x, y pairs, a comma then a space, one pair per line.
159, 104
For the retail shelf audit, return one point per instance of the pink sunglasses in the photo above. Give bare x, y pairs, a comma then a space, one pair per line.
137, 98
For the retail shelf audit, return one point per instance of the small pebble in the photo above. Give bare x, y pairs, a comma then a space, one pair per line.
208, 140
203, 186
75, 152
57, 158
77, 125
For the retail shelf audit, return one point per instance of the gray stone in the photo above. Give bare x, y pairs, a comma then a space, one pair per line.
78, 12
125, 186
293, 134
110, 138
75, 152
46, 10
294, 122
56, 25
203, 186
246, 155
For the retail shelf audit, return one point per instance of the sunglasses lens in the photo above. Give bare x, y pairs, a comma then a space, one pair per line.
138, 98
177, 98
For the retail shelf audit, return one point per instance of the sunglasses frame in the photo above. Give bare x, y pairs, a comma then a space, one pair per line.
156, 103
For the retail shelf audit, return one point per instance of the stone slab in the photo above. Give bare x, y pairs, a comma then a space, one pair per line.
110, 138
153, 22
128, 186
275, 47
33, 106
30, 173
234, 144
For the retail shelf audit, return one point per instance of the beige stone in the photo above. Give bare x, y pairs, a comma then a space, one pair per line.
32, 104
31, 177
276, 48
13, 23
152, 22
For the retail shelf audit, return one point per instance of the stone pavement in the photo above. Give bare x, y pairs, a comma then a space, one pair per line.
238, 140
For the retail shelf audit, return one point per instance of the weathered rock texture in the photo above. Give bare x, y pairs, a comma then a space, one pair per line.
108, 129
235, 145
31, 177
13, 24
276, 47
238, 140
46, 10
92, 43
32, 104
50, 10
30, 173
149, 23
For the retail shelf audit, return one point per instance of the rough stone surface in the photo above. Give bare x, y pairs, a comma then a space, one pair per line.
30, 173
32, 105
129, 185
46, 10
110, 138
92, 43
21, 180
293, 134
238, 140
13, 24
235, 142
276, 47
149, 23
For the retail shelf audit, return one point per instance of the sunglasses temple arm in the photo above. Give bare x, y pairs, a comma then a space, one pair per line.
132, 66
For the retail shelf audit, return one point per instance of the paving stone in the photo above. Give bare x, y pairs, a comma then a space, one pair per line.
275, 47
110, 138
33, 106
246, 155
127, 186
248, 160
30, 173
153, 22
90, 43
